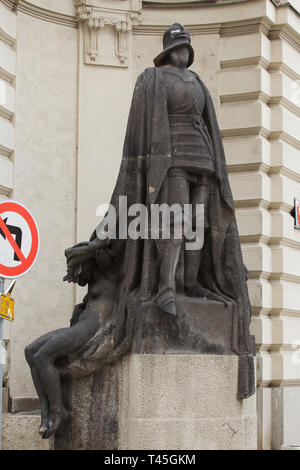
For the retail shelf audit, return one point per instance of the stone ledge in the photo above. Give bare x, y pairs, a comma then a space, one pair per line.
20, 432
24, 404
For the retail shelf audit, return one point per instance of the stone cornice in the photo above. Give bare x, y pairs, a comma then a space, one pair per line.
5, 37
188, 3
175, 2
212, 28
83, 7
239, 28
284, 31
205, 3
41, 13
233, 28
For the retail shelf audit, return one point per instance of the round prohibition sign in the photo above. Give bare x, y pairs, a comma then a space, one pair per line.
19, 240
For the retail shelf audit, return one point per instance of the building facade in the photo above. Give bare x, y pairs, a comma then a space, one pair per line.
67, 72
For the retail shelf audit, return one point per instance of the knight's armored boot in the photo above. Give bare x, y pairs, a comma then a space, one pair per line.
165, 297
191, 268
192, 287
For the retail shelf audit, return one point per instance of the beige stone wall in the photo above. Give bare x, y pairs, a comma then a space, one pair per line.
42, 154
69, 93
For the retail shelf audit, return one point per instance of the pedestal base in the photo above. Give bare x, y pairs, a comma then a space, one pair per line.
160, 401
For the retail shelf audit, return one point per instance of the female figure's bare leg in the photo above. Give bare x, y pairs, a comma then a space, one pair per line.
65, 341
45, 407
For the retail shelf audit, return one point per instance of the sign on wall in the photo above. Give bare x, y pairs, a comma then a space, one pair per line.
7, 310
19, 240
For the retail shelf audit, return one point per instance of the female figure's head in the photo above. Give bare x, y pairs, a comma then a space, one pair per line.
177, 49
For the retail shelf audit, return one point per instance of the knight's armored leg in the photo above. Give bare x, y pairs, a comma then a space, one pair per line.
199, 195
165, 297
169, 249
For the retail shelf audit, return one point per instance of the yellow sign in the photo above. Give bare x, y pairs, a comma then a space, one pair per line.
7, 310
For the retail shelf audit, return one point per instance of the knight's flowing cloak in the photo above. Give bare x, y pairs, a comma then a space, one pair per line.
145, 162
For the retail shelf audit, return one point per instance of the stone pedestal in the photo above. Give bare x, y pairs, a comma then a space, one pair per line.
176, 390
184, 402
161, 401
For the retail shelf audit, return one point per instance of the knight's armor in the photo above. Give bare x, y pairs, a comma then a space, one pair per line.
191, 144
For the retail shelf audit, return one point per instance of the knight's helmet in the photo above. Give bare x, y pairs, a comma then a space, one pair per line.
175, 36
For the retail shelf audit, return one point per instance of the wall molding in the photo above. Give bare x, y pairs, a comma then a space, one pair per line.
41, 13
232, 28
5, 37
5, 75
147, 30
187, 3
284, 31
132, 22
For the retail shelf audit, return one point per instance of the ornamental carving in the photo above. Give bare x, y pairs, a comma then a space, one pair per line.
106, 31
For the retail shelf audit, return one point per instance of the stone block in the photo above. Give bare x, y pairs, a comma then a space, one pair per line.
20, 432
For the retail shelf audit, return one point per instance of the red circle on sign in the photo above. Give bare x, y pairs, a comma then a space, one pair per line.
27, 263
298, 214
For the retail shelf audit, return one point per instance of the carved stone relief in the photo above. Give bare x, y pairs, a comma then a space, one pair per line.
106, 31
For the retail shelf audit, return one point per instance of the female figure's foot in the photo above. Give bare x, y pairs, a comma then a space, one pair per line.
59, 418
42, 430
44, 422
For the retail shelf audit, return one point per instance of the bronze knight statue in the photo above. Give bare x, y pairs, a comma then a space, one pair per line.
173, 153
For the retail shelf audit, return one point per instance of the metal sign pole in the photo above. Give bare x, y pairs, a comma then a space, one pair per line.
1, 359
